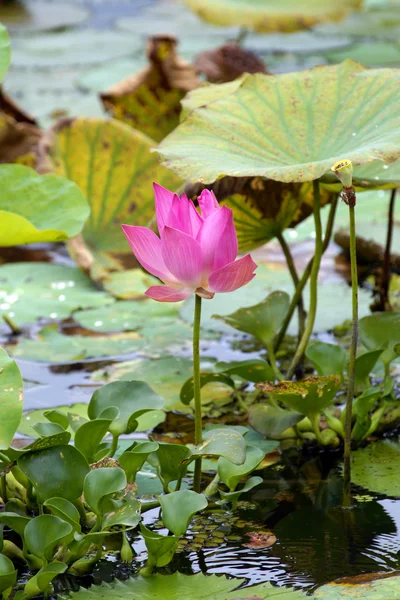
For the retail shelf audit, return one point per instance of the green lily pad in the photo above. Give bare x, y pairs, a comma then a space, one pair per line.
11, 399
102, 77
371, 586
298, 42
130, 284
114, 167
294, 129
189, 587
41, 16
52, 346
379, 54
377, 24
4, 51
126, 316
71, 48
54, 292
35, 208
271, 15
377, 467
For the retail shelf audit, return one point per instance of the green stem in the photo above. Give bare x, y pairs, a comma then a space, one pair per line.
295, 278
272, 360
81, 509
352, 361
3, 489
315, 425
313, 284
198, 425
113, 447
306, 275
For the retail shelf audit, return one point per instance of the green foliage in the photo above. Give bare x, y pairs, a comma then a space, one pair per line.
8, 573
272, 421
381, 330
89, 435
233, 497
11, 399
328, 359
261, 320
255, 370
100, 484
179, 507
231, 474
170, 460
54, 293
364, 364
131, 398
58, 471
371, 586
43, 533
65, 510
187, 390
160, 549
40, 582
294, 130
226, 442
133, 459
376, 467
38, 208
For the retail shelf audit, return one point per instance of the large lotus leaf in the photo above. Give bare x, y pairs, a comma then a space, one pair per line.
377, 467
381, 330
271, 15
307, 397
114, 167
41, 16
11, 399
187, 587
55, 472
132, 398
290, 127
53, 292
179, 507
370, 586
4, 51
36, 208
71, 48
150, 100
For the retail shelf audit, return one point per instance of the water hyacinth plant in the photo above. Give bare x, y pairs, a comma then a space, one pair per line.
195, 254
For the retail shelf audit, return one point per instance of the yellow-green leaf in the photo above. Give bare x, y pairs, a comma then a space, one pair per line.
272, 15
114, 167
291, 127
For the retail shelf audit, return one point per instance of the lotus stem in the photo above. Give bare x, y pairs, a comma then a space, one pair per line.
384, 291
295, 277
198, 425
306, 275
272, 360
352, 360
313, 284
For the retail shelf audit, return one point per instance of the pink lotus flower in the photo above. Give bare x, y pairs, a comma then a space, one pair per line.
194, 253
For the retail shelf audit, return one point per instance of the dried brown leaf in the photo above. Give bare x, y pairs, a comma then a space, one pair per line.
228, 62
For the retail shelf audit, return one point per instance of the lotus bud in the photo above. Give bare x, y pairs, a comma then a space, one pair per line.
343, 170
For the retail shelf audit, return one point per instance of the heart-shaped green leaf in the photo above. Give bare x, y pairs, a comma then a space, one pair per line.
307, 397
328, 359
365, 362
381, 330
89, 435
65, 510
261, 320
132, 398
170, 460
37, 208
11, 399
132, 460
271, 15
254, 370
58, 471
100, 483
40, 582
231, 474
187, 390
8, 573
179, 507
290, 127
4, 52
124, 512
43, 533
15, 522
222, 442
160, 548
233, 497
